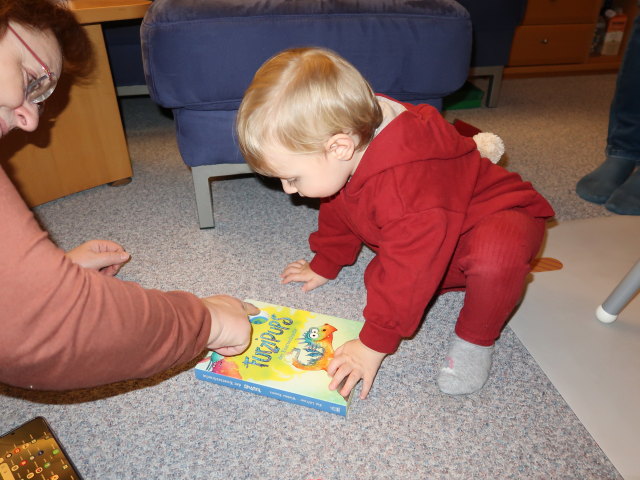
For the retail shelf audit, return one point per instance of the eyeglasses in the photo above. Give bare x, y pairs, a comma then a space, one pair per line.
41, 88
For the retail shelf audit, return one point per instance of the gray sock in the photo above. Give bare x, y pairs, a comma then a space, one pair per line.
466, 367
626, 199
598, 185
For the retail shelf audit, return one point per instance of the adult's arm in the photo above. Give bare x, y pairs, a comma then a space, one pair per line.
64, 326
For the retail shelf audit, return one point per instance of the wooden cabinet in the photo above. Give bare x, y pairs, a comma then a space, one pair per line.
555, 36
551, 44
544, 12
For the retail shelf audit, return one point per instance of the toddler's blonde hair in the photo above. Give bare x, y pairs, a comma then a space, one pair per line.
300, 98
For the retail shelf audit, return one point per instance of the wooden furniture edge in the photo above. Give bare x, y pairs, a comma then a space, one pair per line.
98, 11
563, 69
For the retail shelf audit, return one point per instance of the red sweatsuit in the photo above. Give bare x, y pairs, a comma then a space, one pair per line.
438, 216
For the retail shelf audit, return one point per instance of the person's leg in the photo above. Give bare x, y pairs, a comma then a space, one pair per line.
492, 262
613, 183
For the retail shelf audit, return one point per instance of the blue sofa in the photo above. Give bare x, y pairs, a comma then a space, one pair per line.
200, 55
493, 24
122, 39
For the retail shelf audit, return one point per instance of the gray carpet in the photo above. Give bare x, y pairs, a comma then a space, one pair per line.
174, 426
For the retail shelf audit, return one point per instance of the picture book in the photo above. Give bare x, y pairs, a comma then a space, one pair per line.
287, 359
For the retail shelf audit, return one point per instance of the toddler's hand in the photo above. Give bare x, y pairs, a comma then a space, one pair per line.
351, 362
300, 271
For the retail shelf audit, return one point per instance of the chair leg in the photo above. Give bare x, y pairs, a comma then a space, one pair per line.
621, 296
201, 176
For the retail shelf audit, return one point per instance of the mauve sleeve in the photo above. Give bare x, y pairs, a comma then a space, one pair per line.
64, 327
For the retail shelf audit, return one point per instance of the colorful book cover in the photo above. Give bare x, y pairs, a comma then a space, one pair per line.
287, 359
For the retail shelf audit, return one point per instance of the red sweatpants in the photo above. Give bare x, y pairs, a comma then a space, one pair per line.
491, 263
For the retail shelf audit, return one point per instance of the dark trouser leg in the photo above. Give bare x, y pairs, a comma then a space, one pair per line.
613, 182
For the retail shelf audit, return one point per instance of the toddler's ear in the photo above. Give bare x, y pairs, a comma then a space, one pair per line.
340, 147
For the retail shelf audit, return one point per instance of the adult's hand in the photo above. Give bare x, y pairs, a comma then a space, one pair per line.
230, 326
105, 256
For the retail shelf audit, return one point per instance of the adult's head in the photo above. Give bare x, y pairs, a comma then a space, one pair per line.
38, 40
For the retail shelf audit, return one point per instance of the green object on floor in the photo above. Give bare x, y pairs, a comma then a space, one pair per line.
469, 96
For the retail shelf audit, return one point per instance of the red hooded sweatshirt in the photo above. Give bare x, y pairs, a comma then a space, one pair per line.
418, 187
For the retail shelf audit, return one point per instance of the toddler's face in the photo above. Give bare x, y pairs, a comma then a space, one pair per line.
314, 175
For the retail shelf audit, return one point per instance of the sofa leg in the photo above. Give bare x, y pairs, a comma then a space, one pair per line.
204, 202
495, 85
495, 82
201, 176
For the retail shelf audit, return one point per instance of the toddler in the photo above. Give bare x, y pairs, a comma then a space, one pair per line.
400, 179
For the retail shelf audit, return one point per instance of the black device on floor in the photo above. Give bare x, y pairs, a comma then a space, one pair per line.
32, 450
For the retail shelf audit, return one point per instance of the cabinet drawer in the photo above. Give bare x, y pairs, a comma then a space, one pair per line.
549, 12
551, 44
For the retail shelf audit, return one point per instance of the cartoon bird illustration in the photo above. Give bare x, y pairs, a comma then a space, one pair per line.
316, 350
219, 364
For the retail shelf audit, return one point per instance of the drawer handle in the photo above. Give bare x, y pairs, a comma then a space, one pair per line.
544, 41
